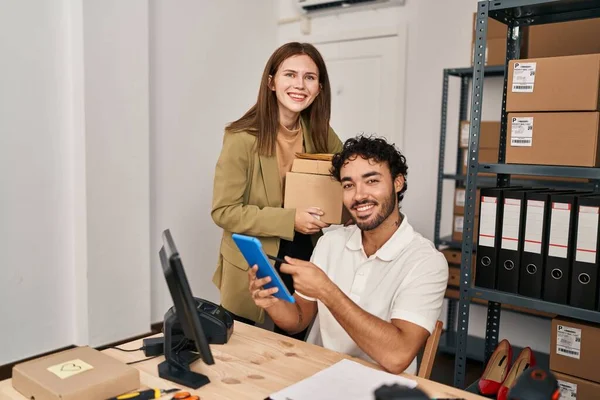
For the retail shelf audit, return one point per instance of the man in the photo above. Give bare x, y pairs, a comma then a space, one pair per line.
378, 285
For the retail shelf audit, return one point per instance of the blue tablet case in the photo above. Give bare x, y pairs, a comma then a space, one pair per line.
252, 251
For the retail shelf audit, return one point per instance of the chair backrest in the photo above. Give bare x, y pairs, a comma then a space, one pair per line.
430, 350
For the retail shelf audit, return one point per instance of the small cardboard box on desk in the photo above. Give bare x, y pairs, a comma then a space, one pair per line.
79, 373
310, 184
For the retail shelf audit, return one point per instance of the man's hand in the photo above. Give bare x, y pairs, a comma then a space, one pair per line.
309, 279
263, 298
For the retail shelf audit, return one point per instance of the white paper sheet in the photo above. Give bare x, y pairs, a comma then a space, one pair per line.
346, 380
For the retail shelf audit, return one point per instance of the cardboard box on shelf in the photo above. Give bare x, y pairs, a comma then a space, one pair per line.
495, 52
495, 29
452, 256
554, 84
489, 134
563, 38
454, 276
79, 373
573, 388
486, 156
459, 201
567, 139
575, 348
310, 184
457, 228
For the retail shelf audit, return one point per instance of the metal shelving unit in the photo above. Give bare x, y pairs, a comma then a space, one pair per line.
448, 339
515, 14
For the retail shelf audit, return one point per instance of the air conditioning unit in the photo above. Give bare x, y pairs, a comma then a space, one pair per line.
313, 6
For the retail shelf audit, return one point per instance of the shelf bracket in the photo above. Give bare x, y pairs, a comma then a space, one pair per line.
492, 329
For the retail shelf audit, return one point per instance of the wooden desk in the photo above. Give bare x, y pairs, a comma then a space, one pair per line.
254, 364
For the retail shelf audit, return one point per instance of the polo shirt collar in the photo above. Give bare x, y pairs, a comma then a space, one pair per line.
392, 248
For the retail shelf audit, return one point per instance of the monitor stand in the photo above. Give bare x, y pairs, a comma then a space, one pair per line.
179, 354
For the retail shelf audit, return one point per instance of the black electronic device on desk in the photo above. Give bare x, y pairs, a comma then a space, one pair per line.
190, 325
397, 392
535, 383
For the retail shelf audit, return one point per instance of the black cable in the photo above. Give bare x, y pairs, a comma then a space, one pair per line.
127, 350
182, 343
142, 360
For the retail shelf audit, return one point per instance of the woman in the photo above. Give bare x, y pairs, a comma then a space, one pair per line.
291, 116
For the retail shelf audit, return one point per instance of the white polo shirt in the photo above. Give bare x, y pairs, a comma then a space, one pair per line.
405, 279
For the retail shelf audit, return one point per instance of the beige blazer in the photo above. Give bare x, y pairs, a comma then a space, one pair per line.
247, 199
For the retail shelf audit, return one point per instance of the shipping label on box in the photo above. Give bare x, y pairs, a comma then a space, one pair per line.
523, 77
568, 341
568, 391
574, 388
464, 134
521, 132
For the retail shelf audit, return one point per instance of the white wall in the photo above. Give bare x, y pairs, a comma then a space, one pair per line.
206, 60
79, 79
35, 219
439, 37
116, 87
74, 210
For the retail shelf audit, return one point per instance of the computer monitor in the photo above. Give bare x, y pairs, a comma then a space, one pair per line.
185, 341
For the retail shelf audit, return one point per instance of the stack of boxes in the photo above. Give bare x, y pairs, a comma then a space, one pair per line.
552, 106
310, 184
574, 352
495, 51
489, 141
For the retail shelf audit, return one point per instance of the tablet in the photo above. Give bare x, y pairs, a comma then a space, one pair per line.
252, 251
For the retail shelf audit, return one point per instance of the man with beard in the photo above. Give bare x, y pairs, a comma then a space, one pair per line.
378, 285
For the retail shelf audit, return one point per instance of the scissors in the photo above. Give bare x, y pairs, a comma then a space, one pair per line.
184, 396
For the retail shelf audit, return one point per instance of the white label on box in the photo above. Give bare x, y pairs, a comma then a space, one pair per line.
568, 390
534, 224
69, 368
587, 234
510, 224
521, 132
559, 230
523, 77
568, 341
459, 200
459, 222
487, 221
464, 135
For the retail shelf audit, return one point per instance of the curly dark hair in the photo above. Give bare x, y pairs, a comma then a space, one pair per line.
372, 148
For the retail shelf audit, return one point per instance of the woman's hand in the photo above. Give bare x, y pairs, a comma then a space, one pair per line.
263, 298
308, 222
